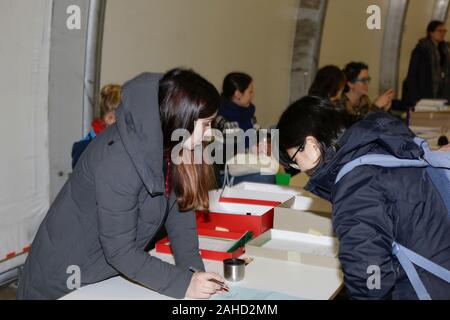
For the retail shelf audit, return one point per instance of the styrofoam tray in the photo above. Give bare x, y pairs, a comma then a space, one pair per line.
246, 194
237, 208
272, 188
302, 243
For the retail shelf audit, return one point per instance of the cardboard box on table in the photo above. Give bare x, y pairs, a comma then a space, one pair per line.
304, 213
236, 217
319, 251
163, 245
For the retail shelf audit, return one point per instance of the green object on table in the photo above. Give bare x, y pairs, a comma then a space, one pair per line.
283, 179
242, 241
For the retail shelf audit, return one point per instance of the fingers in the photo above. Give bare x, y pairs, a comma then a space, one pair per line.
206, 284
203, 296
445, 148
210, 289
211, 285
211, 275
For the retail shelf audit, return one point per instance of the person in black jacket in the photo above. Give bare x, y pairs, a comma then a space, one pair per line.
118, 197
373, 206
429, 69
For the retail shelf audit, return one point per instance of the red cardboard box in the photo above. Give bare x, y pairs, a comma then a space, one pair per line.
163, 245
236, 217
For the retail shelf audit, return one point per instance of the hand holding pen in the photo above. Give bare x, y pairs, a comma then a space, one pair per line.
204, 284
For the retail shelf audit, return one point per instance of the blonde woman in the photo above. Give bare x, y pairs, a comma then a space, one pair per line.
109, 101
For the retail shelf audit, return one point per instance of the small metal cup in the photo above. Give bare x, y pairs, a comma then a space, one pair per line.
234, 269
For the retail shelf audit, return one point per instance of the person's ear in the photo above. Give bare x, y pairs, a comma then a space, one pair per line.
237, 95
313, 148
110, 118
350, 85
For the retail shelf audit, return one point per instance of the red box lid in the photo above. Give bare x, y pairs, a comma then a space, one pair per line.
163, 245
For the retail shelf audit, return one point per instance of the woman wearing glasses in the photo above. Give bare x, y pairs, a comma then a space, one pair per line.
373, 206
355, 98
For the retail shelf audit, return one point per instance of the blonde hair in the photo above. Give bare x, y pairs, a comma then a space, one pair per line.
109, 99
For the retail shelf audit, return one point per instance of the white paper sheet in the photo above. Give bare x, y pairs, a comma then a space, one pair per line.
241, 293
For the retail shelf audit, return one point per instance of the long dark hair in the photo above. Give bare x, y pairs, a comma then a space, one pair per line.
316, 117
328, 82
235, 81
185, 97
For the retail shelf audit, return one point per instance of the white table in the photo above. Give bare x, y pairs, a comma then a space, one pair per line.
431, 134
305, 282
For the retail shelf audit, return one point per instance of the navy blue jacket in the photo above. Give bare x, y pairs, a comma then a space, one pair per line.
79, 147
235, 113
374, 206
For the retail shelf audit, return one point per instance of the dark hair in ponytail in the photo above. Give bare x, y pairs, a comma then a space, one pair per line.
235, 81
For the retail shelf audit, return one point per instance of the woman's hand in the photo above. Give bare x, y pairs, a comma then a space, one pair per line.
263, 148
385, 100
202, 288
445, 148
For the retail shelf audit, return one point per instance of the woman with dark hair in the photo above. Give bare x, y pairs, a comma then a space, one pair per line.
373, 206
119, 196
329, 83
429, 68
355, 98
236, 109
237, 112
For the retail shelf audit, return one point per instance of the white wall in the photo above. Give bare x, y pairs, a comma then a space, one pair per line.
346, 37
24, 162
213, 37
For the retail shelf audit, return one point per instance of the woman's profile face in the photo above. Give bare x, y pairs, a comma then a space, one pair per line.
307, 159
201, 129
244, 99
361, 85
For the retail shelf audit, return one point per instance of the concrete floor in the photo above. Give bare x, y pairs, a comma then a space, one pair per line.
8, 292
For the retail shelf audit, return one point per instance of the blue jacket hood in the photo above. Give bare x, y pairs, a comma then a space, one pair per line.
378, 133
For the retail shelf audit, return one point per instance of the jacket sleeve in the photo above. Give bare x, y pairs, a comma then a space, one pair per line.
362, 219
182, 230
117, 186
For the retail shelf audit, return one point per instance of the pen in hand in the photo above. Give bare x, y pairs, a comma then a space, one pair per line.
222, 285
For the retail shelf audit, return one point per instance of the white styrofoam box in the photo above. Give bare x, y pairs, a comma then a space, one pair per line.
304, 214
272, 188
310, 202
295, 247
237, 208
245, 194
